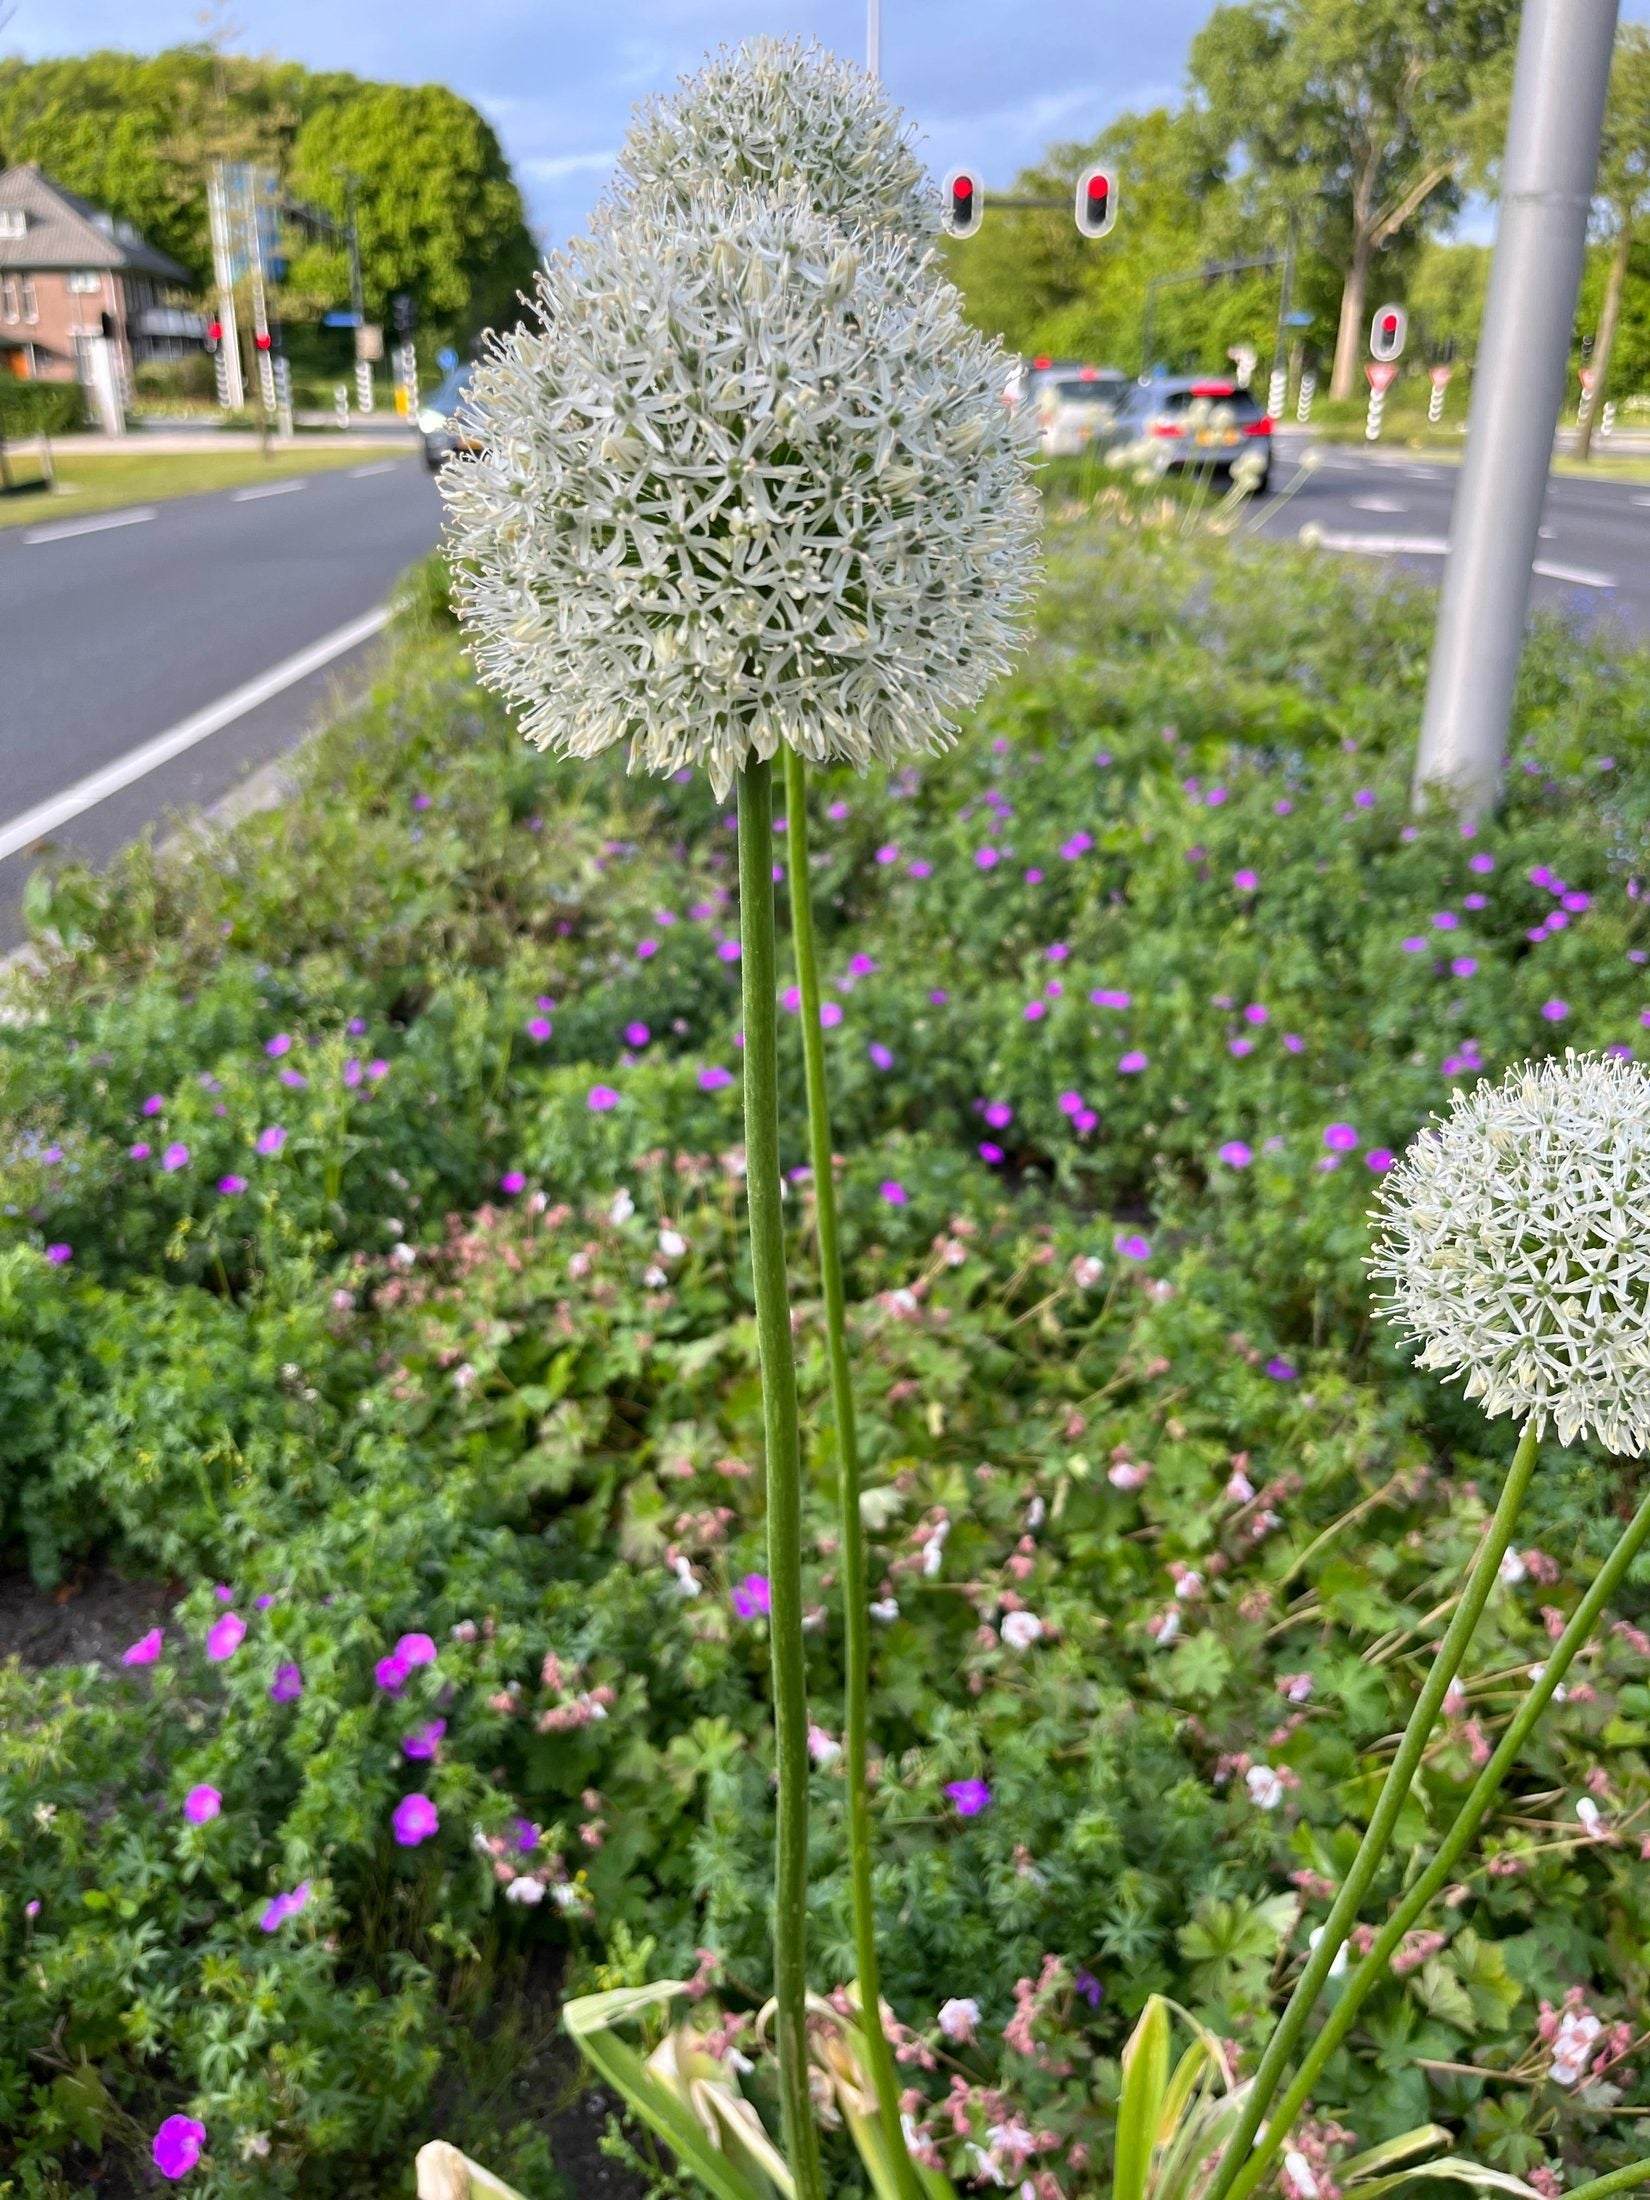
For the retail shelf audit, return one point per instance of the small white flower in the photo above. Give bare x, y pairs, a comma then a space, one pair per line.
1592, 1819
623, 1207
1299, 2182
959, 2018
672, 1244
528, 1892
884, 1609
1086, 1271
1573, 2044
654, 1276
1189, 1587
743, 484
687, 1581
1513, 1570
1020, 1629
1265, 1788
823, 1748
1514, 1239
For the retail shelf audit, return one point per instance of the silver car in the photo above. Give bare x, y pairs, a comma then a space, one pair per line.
1077, 408
1199, 422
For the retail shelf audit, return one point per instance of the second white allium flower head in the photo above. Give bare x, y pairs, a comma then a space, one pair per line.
1514, 1240
745, 481
776, 114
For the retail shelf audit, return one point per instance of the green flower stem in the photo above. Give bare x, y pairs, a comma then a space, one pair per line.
1377, 1838
1619, 2180
1373, 1969
856, 1623
784, 1473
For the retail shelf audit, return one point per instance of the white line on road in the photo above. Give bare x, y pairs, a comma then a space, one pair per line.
86, 793
88, 526
1380, 546
1583, 576
1377, 504
270, 489
378, 466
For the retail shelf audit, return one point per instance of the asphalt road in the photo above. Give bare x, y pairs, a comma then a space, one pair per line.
178, 646
1593, 559
150, 659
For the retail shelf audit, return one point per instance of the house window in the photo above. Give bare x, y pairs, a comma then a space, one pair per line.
13, 221
8, 299
31, 301
85, 280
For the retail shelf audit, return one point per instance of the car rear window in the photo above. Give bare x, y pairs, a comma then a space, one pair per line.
1230, 399
1087, 389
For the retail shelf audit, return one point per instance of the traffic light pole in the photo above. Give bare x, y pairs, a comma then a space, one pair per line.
1559, 86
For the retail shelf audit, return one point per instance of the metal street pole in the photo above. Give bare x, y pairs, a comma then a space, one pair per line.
1562, 73
873, 36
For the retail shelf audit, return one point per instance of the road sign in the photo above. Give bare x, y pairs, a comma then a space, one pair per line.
446, 358
1439, 375
1387, 333
1300, 318
1589, 375
1382, 373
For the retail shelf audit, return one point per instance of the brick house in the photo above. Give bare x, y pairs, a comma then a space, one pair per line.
68, 271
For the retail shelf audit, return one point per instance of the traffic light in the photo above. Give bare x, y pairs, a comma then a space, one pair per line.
964, 203
1387, 332
1096, 202
401, 313
214, 335
263, 340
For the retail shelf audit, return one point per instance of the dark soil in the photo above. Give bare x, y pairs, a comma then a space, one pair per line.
87, 1621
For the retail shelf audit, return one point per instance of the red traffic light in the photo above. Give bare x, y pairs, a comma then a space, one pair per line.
264, 340
1387, 333
964, 203
1096, 202
214, 332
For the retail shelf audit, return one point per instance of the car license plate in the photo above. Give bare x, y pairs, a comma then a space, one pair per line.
1210, 438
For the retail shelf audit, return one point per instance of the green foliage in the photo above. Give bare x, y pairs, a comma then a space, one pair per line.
40, 408
466, 1353
441, 217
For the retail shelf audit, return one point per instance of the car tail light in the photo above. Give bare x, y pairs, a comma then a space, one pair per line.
1214, 389
1262, 426
1166, 428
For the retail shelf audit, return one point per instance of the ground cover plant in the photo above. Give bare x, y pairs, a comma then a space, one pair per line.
372, 1207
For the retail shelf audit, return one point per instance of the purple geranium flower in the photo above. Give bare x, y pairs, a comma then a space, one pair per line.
288, 1684
1132, 1246
600, 1098
423, 1741
225, 1636
145, 1650
176, 1156
1340, 1137
284, 1906
752, 1597
969, 1796
202, 1804
177, 2145
415, 1820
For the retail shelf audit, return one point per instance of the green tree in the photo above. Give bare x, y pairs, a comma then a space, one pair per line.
1623, 199
440, 216
1355, 118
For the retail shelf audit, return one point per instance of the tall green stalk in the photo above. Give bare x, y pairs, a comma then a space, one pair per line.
1343, 1915
1633, 2178
784, 1472
1373, 1968
856, 1619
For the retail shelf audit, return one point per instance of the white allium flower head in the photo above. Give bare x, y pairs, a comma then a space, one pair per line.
1514, 1241
775, 114
743, 481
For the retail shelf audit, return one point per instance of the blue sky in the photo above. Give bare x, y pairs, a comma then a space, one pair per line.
987, 83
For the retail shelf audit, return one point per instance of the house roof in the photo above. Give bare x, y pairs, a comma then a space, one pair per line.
61, 229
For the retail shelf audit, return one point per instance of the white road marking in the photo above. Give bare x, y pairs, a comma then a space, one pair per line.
378, 466
270, 489
86, 793
89, 526
1381, 546
1641, 500
1544, 534
1377, 504
1583, 576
